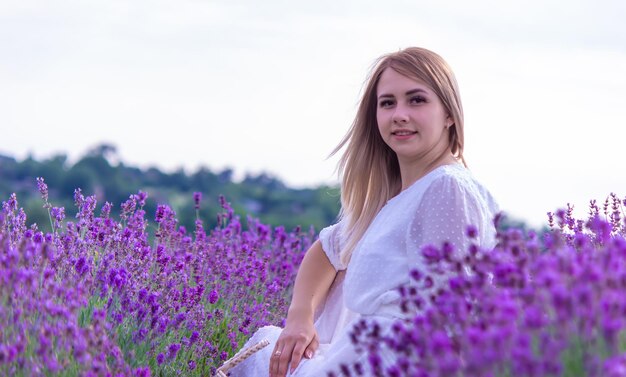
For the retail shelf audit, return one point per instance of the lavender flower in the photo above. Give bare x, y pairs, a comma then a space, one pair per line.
191, 364
103, 294
43, 190
197, 197
213, 297
142, 372
528, 307
172, 350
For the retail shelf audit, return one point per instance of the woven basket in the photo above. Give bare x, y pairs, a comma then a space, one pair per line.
239, 357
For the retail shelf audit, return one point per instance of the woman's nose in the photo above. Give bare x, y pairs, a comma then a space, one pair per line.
400, 115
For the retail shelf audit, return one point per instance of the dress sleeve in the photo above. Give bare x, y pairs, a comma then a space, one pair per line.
446, 210
333, 240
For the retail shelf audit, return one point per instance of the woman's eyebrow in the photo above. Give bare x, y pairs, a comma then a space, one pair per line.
410, 92
416, 90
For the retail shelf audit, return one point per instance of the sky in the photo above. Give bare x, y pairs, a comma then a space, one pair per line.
272, 86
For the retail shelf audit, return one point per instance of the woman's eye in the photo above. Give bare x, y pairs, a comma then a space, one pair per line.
386, 103
417, 99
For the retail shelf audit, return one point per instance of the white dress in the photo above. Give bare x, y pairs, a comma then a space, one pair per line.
436, 208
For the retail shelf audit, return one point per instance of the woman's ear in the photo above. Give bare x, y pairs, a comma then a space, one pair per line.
449, 122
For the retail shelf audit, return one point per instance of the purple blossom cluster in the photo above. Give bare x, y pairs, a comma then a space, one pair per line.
550, 304
114, 297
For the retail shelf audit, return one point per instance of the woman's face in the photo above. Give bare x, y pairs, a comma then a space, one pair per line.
411, 119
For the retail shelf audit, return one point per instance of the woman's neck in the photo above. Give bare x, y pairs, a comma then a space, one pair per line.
410, 172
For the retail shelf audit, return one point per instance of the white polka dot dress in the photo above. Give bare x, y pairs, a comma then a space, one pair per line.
436, 208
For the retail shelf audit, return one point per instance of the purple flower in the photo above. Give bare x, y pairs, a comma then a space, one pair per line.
194, 337
416, 275
150, 284
172, 350
431, 254
52, 364
44, 345
615, 366
57, 213
375, 361
534, 317
78, 197
43, 189
522, 307
471, 231
160, 213
81, 266
213, 297
11, 204
7, 354
142, 372
191, 364
160, 358
141, 198
163, 322
197, 197
345, 370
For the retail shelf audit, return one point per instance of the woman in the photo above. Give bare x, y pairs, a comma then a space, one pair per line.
404, 185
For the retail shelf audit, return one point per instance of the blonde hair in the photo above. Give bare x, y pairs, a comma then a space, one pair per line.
368, 167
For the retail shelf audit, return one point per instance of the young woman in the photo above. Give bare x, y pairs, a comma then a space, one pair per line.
404, 185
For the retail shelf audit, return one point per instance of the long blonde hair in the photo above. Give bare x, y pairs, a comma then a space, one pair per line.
368, 167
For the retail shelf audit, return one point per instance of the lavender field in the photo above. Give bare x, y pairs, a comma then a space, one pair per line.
139, 295
99, 296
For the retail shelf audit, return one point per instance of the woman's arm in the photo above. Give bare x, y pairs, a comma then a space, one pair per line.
299, 337
313, 280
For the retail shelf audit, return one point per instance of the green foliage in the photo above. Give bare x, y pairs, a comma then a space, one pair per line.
262, 196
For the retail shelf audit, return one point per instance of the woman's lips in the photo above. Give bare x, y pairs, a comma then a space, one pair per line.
403, 135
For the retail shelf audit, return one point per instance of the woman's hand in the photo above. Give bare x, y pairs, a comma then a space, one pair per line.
298, 339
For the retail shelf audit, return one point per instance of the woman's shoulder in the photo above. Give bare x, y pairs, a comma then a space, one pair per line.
456, 180
456, 175
446, 178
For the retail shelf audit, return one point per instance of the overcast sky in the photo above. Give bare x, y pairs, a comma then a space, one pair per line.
273, 85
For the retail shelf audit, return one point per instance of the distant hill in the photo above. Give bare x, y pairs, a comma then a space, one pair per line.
262, 196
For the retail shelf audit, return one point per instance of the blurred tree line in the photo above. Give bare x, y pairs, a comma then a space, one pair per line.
262, 196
